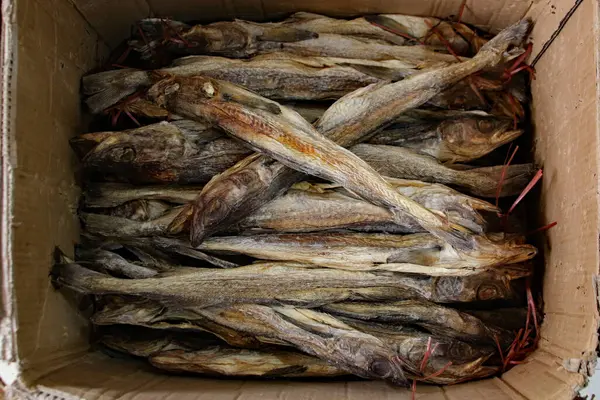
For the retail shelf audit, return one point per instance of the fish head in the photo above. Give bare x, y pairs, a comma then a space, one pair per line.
125, 310
469, 138
150, 153
209, 100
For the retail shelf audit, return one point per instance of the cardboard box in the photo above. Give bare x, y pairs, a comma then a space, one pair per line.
47, 45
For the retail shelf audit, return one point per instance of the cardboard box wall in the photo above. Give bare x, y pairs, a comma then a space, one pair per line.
47, 45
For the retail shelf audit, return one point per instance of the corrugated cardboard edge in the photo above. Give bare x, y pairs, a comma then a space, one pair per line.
9, 370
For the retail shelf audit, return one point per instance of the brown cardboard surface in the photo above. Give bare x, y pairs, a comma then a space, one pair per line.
562, 111
58, 40
55, 47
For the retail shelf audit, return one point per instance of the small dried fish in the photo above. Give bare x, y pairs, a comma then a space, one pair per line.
440, 320
288, 283
114, 263
412, 346
123, 232
416, 253
227, 38
144, 342
256, 180
333, 45
105, 195
276, 76
451, 140
242, 38
317, 334
401, 162
227, 361
325, 207
160, 152
136, 311
112, 226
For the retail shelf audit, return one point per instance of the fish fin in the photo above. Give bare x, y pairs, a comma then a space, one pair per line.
286, 34
388, 23
248, 98
389, 74
181, 221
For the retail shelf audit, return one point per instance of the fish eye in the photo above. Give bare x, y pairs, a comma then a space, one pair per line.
208, 89
485, 125
123, 154
487, 292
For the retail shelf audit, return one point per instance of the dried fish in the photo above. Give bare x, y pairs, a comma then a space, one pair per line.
433, 317
105, 195
416, 253
227, 361
401, 162
333, 45
159, 152
451, 140
114, 263
112, 226
317, 334
287, 283
412, 346
276, 76
242, 38
135, 311
256, 180
325, 207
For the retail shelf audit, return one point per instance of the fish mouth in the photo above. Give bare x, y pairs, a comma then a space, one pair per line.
121, 151
500, 139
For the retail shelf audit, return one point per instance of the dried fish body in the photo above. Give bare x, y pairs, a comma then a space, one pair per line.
343, 250
451, 140
416, 253
136, 311
348, 121
242, 38
159, 153
119, 227
281, 283
401, 162
220, 360
411, 345
114, 263
105, 195
317, 334
333, 45
313, 207
277, 76
440, 320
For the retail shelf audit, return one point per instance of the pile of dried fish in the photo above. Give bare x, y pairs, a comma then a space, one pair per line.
291, 200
